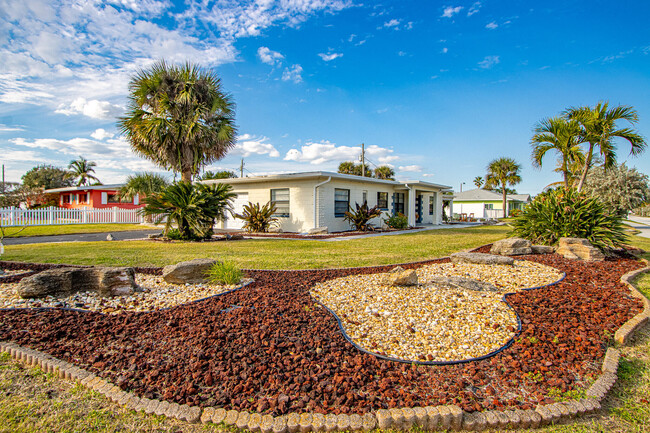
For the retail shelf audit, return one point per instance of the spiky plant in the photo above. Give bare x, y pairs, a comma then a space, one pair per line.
359, 219
258, 219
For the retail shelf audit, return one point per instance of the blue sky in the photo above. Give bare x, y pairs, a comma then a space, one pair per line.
435, 89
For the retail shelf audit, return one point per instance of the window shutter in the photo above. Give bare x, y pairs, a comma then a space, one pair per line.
394, 199
104, 197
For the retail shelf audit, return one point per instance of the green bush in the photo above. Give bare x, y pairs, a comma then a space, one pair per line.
515, 213
225, 272
173, 234
567, 213
398, 221
359, 218
258, 219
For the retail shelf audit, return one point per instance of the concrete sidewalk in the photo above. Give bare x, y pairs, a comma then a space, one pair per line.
642, 224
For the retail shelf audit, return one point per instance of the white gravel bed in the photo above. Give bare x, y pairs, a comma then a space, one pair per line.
9, 272
153, 294
430, 323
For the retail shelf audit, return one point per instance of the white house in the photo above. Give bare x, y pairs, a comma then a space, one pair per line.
482, 203
319, 199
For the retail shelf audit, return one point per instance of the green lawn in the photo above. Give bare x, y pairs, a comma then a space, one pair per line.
11, 232
265, 253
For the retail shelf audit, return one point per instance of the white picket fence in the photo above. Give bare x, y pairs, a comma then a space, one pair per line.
12, 217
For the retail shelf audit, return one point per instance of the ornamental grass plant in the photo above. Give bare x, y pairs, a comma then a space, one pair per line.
567, 213
225, 272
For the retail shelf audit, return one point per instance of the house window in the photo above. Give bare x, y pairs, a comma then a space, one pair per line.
341, 201
398, 203
115, 198
365, 197
280, 198
83, 198
431, 204
489, 206
65, 199
382, 200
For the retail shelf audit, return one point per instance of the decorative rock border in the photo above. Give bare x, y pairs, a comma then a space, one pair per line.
431, 417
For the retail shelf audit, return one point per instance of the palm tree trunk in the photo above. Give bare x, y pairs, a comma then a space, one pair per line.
505, 204
186, 174
590, 154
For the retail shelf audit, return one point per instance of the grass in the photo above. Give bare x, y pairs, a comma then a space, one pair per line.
265, 253
12, 232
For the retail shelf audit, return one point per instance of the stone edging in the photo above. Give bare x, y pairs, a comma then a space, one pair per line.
430, 417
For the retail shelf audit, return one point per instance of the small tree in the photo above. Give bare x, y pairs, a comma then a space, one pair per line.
223, 174
619, 188
564, 137
143, 184
360, 218
503, 172
81, 169
478, 181
384, 172
258, 219
349, 167
46, 177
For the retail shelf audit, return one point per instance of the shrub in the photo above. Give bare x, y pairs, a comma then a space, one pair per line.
225, 272
258, 218
567, 213
515, 212
192, 207
359, 218
173, 234
398, 221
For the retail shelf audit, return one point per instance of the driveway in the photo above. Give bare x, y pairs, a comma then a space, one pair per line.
81, 237
642, 224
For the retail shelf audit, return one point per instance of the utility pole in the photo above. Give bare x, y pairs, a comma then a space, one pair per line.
241, 168
3, 178
363, 160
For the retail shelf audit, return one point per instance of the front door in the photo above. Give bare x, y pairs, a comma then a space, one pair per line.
418, 209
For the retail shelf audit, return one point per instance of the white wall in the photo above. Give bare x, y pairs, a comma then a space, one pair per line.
478, 209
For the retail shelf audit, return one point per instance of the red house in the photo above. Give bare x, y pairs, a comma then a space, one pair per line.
96, 197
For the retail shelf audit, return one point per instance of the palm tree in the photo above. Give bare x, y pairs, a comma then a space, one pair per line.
80, 169
599, 130
143, 184
500, 173
384, 172
478, 181
223, 174
563, 136
179, 117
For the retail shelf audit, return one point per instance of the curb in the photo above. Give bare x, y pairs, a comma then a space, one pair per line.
429, 418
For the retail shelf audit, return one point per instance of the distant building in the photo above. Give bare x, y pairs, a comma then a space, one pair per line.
95, 197
482, 203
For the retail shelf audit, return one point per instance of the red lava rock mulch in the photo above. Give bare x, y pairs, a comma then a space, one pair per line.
280, 353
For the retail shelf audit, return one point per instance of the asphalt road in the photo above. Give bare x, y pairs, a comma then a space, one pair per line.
81, 237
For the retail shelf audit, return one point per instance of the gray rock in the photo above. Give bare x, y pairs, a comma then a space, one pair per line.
110, 237
401, 278
192, 271
66, 281
481, 259
2, 272
275, 230
154, 235
463, 283
318, 231
511, 247
579, 249
234, 236
396, 269
542, 249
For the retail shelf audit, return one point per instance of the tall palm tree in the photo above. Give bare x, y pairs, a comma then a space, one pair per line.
563, 136
384, 172
143, 184
179, 117
81, 169
478, 181
599, 131
502, 172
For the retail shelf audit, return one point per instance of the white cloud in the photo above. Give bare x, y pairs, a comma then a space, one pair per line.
248, 145
269, 56
325, 151
474, 9
93, 108
351, 38
331, 56
401, 53
22, 156
392, 23
411, 168
491, 25
445, 50
450, 11
294, 73
5, 128
488, 62
101, 134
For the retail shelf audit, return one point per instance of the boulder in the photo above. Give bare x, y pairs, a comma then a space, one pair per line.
397, 269
110, 237
580, 249
542, 249
481, 259
462, 283
66, 281
234, 236
512, 247
318, 231
275, 230
401, 278
154, 235
192, 271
